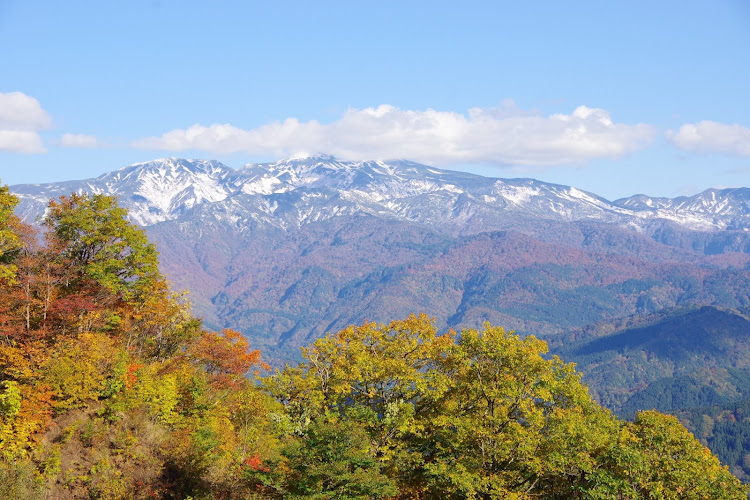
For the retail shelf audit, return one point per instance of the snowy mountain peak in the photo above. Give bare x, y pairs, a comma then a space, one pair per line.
173, 166
153, 191
309, 157
164, 189
322, 171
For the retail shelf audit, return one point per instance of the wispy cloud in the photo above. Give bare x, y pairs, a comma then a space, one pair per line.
502, 136
79, 141
21, 118
712, 137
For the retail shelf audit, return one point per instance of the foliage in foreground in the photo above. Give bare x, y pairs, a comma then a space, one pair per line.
110, 389
477, 415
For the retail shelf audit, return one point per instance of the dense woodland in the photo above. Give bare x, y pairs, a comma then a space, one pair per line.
109, 388
693, 362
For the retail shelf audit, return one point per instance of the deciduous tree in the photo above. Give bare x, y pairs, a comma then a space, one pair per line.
10, 243
92, 232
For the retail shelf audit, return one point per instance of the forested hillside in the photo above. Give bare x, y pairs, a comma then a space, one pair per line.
692, 362
110, 388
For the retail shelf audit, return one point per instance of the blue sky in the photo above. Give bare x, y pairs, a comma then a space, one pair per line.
616, 98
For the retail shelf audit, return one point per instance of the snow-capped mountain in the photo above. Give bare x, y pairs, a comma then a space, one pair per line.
289, 250
295, 191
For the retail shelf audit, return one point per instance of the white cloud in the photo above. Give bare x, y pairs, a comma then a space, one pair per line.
20, 141
21, 117
79, 141
712, 137
502, 136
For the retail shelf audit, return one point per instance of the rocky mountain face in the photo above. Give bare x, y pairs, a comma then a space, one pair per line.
286, 251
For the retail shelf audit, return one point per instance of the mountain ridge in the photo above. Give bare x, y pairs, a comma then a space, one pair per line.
167, 188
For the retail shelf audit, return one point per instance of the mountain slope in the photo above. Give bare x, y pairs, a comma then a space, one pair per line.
690, 357
283, 287
692, 362
285, 251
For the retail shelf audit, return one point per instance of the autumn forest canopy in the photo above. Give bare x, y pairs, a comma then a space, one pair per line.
110, 388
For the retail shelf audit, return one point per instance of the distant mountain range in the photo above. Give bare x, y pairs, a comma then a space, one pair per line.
286, 251
296, 191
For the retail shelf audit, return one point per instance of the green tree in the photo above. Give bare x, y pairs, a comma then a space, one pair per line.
10, 405
10, 242
512, 423
379, 376
92, 232
108, 277
333, 460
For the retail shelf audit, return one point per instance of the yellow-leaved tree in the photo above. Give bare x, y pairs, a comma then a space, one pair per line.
10, 242
479, 414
